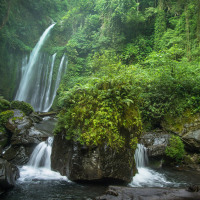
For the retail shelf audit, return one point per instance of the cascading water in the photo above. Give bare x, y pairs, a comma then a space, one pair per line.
61, 69
39, 165
41, 155
37, 86
146, 177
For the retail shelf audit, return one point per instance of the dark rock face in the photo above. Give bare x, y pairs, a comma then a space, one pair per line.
26, 134
80, 163
126, 193
156, 142
8, 174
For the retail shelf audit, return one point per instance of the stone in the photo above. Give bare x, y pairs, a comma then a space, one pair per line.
18, 122
18, 155
192, 140
127, 193
25, 136
8, 174
80, 163
155, 142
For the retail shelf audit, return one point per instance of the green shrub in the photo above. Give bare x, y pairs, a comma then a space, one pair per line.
4, 105
23, 106
4, 117
102, 111
175, 149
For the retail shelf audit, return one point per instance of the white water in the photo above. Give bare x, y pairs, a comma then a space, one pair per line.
146, 177
37, 86
61, 69
39, 165
24, 86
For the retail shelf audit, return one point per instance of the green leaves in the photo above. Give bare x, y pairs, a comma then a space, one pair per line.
100, 109
175, 150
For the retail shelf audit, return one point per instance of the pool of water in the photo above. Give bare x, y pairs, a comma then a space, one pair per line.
164, 177
53, 190
43, 184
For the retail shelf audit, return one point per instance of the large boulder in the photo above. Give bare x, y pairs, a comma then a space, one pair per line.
156, 142
26, 133
188, 128
8, 174
80, 163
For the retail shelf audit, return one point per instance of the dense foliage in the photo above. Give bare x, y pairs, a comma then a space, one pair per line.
129, 61
175, 150
23, 106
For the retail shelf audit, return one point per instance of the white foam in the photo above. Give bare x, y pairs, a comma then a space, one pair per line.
29, 173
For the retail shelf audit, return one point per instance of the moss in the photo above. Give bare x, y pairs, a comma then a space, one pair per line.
177, 124
23, 106
175, 149
4, 105
104, 112
4, 117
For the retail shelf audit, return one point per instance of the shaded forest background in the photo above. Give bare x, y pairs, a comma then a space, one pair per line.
130, 62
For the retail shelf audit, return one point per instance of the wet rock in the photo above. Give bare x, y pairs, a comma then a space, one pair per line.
156, 142
25, 136
80, 163
3, 139
35, 118
126, 193
188, 128
8, 174
18, 155
18, 122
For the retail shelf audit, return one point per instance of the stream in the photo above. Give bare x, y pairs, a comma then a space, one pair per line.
38, 182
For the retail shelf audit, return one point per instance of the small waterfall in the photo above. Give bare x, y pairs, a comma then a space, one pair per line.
146, 177
141, 157
39, 165
41, 156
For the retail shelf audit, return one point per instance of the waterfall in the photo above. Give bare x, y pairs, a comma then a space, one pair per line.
41, 156
37, 86
61, 69
24, 87
39, 165
146, 177
141, 157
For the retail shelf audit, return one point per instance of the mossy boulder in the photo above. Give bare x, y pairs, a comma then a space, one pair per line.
4, 105
23, 106
187, 127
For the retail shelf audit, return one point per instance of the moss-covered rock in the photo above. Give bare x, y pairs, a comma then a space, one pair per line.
23, 106
4, 117
4, 105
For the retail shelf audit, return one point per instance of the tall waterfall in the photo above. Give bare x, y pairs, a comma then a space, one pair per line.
146, 177
37, 85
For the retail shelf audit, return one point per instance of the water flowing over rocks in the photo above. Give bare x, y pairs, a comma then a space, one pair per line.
126, 193
156, 142
25, 135
80, 163
8, 174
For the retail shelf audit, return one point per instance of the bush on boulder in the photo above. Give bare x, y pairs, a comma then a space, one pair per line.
23, 106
